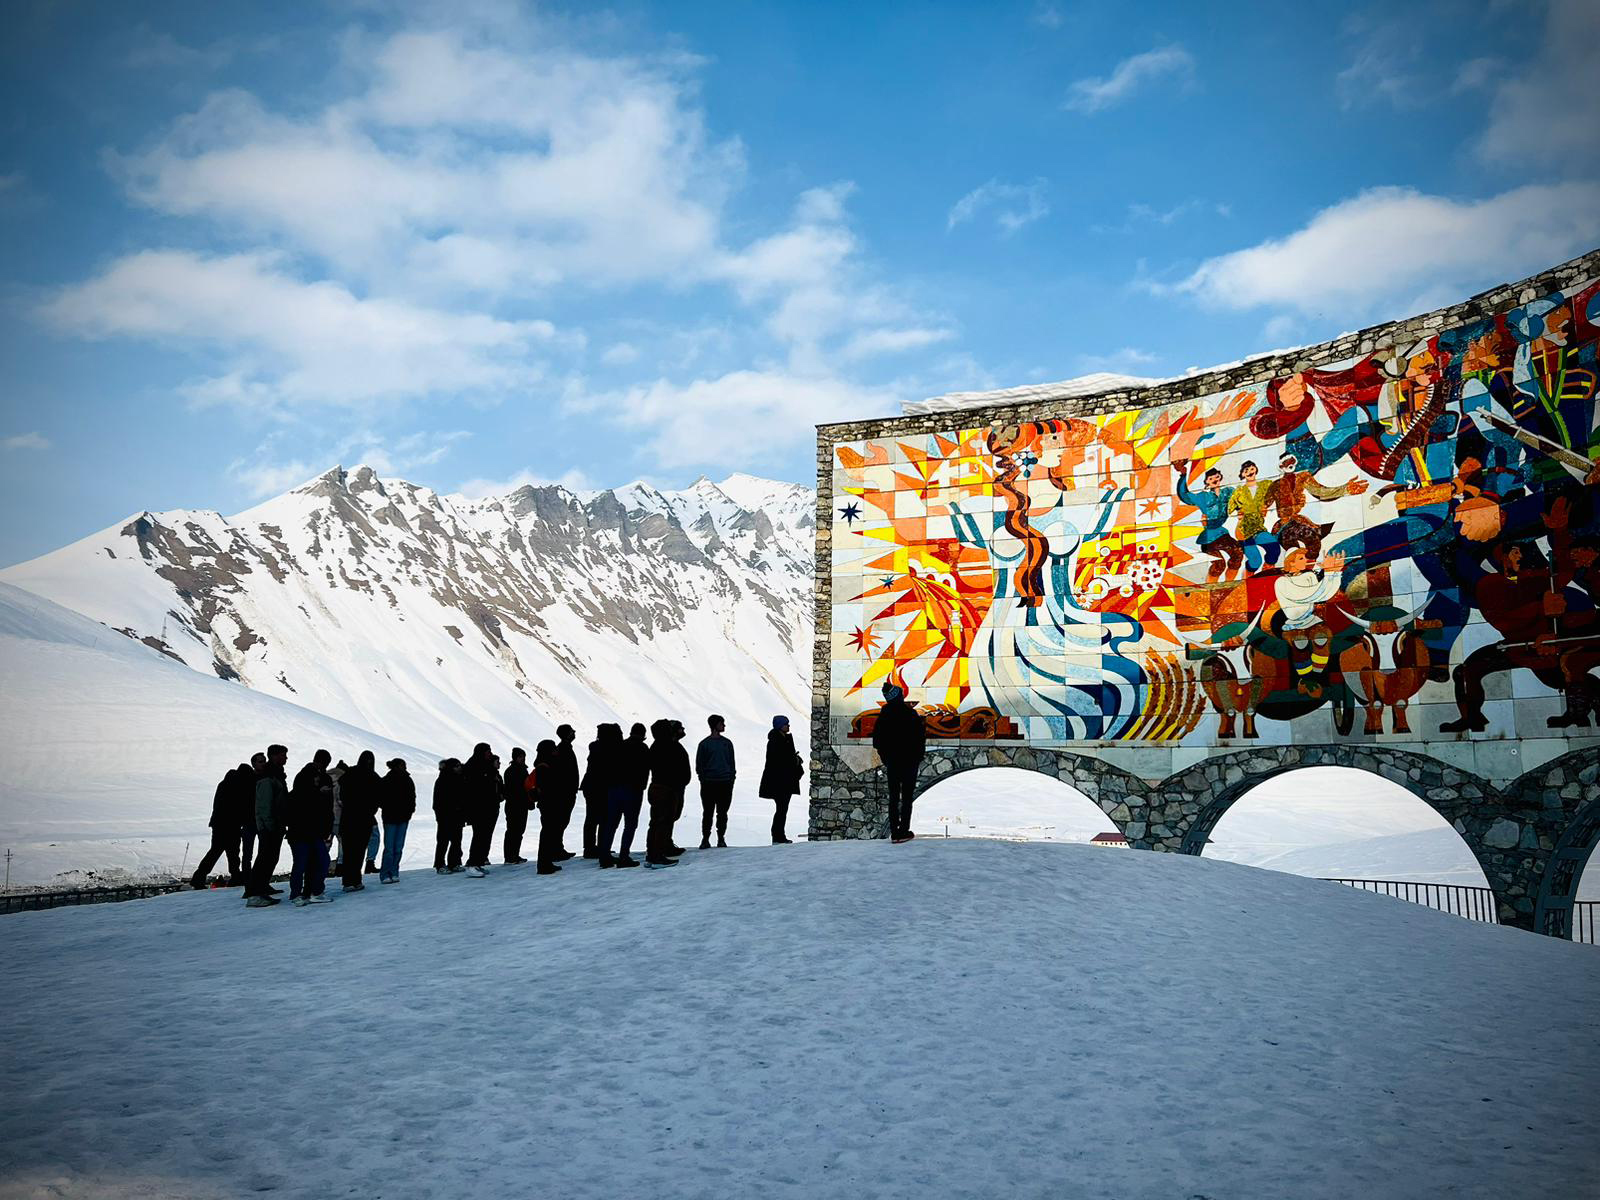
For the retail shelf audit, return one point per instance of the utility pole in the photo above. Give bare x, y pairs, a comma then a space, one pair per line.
8, 870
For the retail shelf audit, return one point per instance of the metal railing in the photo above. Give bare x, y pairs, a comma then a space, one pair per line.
14, 902
1473, 903
1586, 922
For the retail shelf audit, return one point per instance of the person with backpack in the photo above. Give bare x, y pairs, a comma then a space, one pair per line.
272, 809
780, 777
900, 738
515, 784
359, 798
224, 825
398, 802
309, 826
448, 817
669, 776
713, 763
481, 788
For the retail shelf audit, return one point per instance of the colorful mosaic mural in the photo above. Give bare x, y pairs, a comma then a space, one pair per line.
1398, 546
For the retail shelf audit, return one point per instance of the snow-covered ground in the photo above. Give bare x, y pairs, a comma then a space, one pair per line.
948, 1018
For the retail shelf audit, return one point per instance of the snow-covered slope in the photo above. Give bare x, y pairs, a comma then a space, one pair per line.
110, 753
958, 1018
442, 621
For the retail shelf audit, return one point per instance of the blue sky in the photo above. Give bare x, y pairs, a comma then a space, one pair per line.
477, 245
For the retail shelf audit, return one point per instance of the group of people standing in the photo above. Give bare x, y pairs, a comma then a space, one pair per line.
257, 809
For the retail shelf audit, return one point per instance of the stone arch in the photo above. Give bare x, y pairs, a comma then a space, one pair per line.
1113, 791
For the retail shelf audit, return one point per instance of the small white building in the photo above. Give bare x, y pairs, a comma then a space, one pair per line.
1109, 839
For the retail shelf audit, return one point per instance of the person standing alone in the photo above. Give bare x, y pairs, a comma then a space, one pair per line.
399, 797
780, 777
713, 763
900, 738
272, 809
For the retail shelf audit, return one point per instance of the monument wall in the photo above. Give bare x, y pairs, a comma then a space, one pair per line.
1382, 544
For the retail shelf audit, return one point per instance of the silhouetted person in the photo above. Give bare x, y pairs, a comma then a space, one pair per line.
551, 818
481, 783
398, 803
336, 773
603, 780
359, 798
900, 739
515, 783
713, 763
224, 823
246, 815
595, 786
562, 788
627, 794
309, 827
780, 777
669, 776
272, 806
449, 814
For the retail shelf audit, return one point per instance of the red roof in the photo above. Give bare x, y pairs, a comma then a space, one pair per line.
1115, 838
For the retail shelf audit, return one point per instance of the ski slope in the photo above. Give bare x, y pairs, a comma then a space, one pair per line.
946, 1018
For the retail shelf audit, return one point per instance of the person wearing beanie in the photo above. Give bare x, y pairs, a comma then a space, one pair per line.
780, 777
399, 797
900, 738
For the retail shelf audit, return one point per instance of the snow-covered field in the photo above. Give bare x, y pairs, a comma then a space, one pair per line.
948, 1018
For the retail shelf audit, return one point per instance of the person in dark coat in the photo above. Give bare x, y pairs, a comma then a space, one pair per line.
780, 777
551, 818
481, 786
669, 776
359, 798
518, 798
596, 786
398, 802
272, 809
559, 789
224, 824
627, 790
309, 826
900, 738
621, 769
447, 816
246, 815
713, 763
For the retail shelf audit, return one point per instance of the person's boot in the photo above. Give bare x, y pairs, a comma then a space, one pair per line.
606, 862
198, 884
722, 842
676, 851
705, 842
626, 861
372, 868
548, 869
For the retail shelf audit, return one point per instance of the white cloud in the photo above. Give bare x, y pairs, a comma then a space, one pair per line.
462, 165
262, 479
1382, 66
1013, 204
1092, 94
893, 341
1548, 113
1048, 15
479, 489
287, 342
1128, 358
620, 354
147, 48
748, 417
1476, 73
1390, 249
25, 441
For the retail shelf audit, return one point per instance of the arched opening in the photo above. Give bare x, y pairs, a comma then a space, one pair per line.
1010, 803
1569, 894
1350, 825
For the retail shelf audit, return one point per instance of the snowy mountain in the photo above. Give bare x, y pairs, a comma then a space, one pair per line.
440, 621
110, 753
